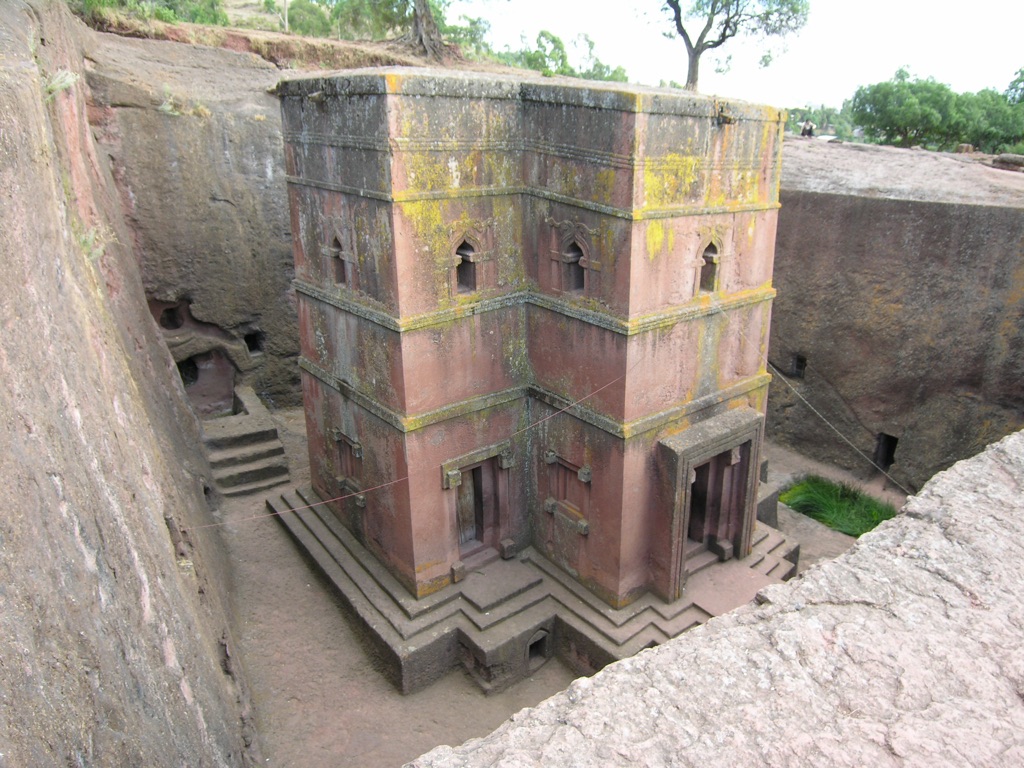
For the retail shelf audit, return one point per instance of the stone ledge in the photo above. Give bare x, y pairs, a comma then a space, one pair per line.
905, 651
489, 621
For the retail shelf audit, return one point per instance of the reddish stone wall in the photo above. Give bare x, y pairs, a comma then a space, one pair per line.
516, 250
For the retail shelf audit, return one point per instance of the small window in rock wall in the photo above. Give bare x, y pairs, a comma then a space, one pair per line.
347, 466
568, 486
885, 451
574, 279
172, 318
254, 342
709, 269
338, 263
350, 454
189, 371
465, 270
799, 367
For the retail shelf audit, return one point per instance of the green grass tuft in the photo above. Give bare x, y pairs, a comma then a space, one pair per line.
837, 505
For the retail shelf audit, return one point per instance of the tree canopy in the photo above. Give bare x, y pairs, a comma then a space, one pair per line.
384, 19
170, 11
551, 57
908, 112
1015, 92
708, 24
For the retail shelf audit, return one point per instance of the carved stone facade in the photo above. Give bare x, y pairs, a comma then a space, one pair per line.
533, 315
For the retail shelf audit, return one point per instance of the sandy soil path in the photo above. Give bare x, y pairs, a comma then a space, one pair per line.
319, 699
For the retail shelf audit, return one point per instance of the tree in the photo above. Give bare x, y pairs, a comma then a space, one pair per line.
550, 57
425, 34
1015, 92
595, 69
306, 18
470, 36
908, 112
721, 20
170, 11
415, 21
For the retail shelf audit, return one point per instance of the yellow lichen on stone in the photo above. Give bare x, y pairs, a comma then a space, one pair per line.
517, 355
669, 180
501, 169
658, 238
563, 179
433, 233
604, 189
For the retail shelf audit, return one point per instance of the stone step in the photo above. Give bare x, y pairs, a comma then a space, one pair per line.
487, 613
257, 487
251, 472
243, 454
778, 545
364, 568
700, 561
231, 432
773, 554
333, 552
776, 567
618, 632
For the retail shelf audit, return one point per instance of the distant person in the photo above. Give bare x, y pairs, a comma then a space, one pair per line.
807, 129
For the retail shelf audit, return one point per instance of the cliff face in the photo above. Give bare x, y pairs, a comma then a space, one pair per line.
901, 286
194, 143
113, 636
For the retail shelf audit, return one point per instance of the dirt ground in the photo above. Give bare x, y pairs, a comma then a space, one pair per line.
319, 699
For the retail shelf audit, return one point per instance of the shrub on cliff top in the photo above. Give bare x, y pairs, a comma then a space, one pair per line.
195, 11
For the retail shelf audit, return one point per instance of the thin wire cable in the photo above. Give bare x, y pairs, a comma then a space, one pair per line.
717, 307
835, 429
415, 472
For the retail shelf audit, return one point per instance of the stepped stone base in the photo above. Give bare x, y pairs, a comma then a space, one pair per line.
245, 452
507, 617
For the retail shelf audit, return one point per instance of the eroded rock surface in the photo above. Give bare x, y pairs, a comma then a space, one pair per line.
194, 142
901, 286
114, 642
906, 651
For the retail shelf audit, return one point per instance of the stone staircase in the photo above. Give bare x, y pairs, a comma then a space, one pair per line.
244, 450
773, 554
508, 614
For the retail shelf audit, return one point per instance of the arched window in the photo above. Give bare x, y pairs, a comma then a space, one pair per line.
341, 276
465, 270
709, 269
575, 275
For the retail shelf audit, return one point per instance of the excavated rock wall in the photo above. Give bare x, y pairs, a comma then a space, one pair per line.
905, 651
194, 143
114, 642
898, 272
900, 279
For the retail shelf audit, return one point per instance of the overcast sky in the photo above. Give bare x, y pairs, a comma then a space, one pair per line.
843, 46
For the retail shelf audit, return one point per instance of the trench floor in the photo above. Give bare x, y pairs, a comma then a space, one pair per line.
317, 695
